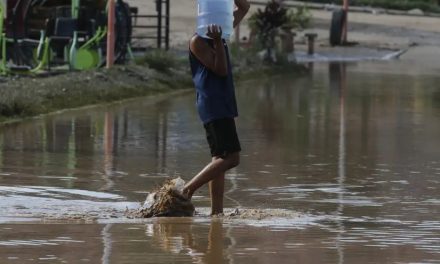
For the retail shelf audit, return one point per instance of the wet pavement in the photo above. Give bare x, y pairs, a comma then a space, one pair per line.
345, 161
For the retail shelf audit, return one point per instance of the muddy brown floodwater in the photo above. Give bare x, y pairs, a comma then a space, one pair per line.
340, 166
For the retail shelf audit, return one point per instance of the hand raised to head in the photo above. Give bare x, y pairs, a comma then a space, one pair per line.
214, 31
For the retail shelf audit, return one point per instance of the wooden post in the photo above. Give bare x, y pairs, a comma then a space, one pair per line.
345, 7
311, 42
111, 34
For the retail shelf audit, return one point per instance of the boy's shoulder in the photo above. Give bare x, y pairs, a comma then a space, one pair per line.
198, 40
198, 44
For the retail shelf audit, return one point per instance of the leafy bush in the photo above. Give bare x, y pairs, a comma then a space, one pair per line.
299, 18
266, 24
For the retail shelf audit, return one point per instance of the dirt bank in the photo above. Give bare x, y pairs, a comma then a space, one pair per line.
30, 96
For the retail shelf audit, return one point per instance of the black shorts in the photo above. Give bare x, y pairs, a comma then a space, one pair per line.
222, 137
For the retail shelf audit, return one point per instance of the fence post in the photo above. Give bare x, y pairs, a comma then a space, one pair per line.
167, 24
237, 34
311, 42
159, 23
111, 33
345, 7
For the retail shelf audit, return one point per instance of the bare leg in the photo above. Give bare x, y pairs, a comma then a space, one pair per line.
214, 170
216, 190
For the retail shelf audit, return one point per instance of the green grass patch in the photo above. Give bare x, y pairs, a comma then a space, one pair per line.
161, 60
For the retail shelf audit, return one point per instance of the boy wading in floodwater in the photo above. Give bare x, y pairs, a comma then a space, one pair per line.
212, 76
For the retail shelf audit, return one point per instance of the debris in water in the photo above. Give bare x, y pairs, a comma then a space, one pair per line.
167, 201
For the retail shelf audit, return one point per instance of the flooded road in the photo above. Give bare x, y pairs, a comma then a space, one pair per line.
346, 160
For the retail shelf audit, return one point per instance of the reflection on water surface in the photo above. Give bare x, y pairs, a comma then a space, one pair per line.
353, 148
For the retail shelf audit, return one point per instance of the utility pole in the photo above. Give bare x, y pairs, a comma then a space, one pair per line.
111, 33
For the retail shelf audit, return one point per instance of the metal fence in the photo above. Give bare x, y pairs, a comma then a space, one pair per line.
151, 29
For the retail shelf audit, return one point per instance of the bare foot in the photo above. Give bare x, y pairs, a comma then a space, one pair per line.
215, 214
186, 194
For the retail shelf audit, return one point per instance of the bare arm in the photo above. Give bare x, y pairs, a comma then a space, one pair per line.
213, 58
242, 7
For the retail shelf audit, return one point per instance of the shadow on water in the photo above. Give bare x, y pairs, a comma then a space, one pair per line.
350, 150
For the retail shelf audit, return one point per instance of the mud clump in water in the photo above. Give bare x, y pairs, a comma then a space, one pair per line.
167, 201
258, 214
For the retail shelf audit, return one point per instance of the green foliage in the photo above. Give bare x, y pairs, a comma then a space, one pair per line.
244, 59
299, 18
266, 24
159, 60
